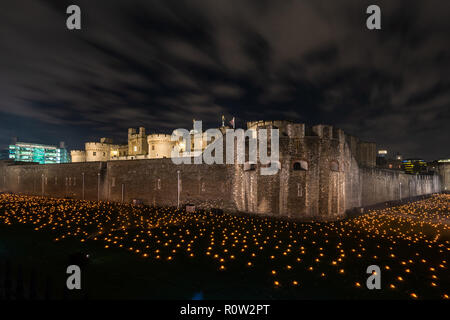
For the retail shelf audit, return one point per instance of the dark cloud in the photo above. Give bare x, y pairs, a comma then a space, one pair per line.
162, 63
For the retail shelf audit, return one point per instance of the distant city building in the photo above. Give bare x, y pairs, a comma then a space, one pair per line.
40, 153
414, 166
387, 162
382, 153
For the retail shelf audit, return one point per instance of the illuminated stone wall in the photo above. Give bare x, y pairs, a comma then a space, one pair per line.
103, 151
155, 181
78, 155
444, 173
318, 179
97, 151
323, 173
384, 185
54, 180
137, 142
159, 146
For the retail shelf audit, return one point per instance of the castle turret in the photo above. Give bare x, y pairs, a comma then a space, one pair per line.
97, 151
137, 142
78, 155
160, 145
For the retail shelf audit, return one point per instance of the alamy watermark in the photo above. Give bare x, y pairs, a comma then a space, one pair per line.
74, 279
241, 147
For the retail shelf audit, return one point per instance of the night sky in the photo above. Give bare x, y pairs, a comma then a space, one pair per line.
159, 64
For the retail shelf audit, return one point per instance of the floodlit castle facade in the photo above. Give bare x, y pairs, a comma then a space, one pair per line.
322, 174
140, 146
160, 146
104, 150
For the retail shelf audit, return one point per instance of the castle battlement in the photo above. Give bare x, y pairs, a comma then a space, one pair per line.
78, 155
299, 130
132, 133
96, 145
159, 137
159, 145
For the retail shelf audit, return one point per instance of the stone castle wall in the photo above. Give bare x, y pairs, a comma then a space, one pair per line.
54, 180
160, 145
311, 194
444, 173
323, 173
78, 155
384, 185
97, 151
154, 181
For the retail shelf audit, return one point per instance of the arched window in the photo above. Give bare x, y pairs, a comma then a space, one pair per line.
300, 165
334, 166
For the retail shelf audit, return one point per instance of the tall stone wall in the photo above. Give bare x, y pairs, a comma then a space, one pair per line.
444, 173
380, 185
160, 146
97, 151
155, 182
54, 180
320, 177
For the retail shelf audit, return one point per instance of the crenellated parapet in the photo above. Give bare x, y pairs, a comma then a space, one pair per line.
97, 151
160, 146
96, 146
159, 137
318, 175
295, 130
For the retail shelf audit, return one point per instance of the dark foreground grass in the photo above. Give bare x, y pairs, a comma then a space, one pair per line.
162, 253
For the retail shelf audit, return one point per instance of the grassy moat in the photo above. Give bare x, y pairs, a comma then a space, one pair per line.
161, 253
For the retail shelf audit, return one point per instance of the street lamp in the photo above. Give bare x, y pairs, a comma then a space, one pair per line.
179, 187
98, 186
82, 192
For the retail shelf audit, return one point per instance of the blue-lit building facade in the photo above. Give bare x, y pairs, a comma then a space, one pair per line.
40, 153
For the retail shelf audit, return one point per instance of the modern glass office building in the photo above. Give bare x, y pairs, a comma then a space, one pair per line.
414, 166
33, 152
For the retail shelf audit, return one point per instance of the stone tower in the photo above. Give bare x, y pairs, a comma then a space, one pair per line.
137, 142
